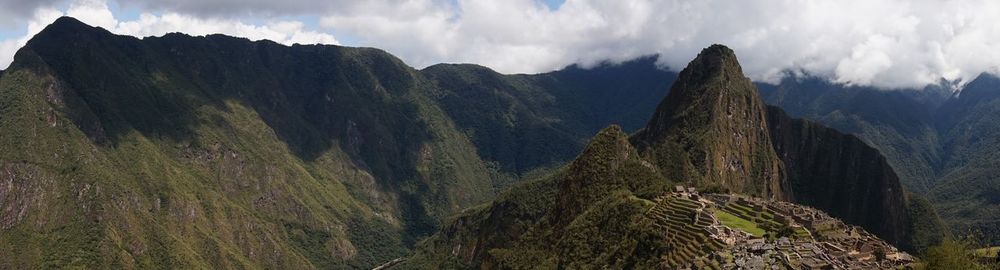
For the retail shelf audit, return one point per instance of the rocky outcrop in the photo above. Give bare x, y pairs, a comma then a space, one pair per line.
24, 189
711, 130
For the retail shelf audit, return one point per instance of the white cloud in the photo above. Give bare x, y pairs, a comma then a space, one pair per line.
15, 12
885, 43
39, 20
97, 13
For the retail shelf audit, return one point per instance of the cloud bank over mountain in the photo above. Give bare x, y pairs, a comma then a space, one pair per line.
884, 43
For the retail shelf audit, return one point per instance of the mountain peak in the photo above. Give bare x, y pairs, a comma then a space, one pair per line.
594, 172
700, 89
713, 62
717, 50
68, 21
713, 116
63, 30
67, 25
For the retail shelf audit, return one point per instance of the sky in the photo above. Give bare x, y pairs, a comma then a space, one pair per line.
888, 44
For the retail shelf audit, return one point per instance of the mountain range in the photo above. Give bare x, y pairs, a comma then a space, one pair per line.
221, 152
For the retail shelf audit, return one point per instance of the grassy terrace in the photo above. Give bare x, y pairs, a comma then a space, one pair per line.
987, 252
801, 233
763, 219
733, 221
688, 237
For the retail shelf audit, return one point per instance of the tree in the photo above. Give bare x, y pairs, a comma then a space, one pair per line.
951, 254
879, 253
786, 231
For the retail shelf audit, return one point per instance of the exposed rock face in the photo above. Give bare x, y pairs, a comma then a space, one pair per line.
24, 189
711, 130
840, 174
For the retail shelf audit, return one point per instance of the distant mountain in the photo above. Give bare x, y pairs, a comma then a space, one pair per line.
219, 152
601, 210
523, 122
940, 143
968, 192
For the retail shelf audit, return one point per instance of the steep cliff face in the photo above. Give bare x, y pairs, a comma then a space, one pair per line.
711, 130
840, 174
899, 123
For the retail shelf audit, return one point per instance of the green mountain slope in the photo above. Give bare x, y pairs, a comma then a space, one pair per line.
968, 194
219, 152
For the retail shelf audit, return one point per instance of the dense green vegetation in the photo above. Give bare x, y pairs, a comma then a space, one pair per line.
179, 161
955, 254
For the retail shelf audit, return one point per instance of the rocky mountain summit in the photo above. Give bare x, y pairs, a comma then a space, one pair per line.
711, 129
